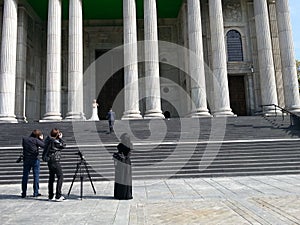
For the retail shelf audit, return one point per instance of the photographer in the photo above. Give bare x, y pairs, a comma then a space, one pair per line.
53, 145
31, 146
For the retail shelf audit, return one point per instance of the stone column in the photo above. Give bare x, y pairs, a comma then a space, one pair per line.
130, 62
53, 80
75, 68
197, 71
8, 61
219, 61
21, 66
153, 101
288, 61
265, 56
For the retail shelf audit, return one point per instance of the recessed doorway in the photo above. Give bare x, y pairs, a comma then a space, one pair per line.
237, 95
111, 94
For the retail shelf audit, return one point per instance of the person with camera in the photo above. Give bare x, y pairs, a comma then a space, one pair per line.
52, 154
31, 147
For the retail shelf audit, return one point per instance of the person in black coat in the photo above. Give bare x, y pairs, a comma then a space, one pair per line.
53, 145
31, 160
123, 172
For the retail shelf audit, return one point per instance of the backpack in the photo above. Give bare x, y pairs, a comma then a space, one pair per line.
46, 155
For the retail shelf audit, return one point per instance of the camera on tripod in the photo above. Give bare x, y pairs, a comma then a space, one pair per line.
81, 165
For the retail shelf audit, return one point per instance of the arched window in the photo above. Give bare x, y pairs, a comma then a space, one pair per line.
234, 46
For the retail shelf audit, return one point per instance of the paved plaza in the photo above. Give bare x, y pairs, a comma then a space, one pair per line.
230, 200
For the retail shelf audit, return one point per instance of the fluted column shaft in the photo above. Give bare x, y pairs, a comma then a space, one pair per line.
53, 80
265, 56
8, 61
197, 71
21, 66
288, 61
219, 62
75, 68
130, 61
153, 101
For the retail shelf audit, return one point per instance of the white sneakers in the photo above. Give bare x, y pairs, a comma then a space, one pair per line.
51, 199
62, 198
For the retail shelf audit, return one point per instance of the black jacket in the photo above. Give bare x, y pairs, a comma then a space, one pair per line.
55, 146
31, 147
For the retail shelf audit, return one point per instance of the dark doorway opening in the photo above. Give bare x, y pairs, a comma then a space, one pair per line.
168, 109
237, 95
110, 96
167, 114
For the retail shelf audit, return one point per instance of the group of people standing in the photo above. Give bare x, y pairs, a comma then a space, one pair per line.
52, 146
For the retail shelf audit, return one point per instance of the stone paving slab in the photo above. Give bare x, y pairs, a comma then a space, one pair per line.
191, 212
229, 200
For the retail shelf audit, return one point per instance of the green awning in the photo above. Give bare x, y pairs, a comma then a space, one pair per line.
109, 9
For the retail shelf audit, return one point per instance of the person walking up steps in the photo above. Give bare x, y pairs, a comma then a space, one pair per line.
111, 116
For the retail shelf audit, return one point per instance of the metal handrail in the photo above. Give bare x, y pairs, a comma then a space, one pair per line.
293, 116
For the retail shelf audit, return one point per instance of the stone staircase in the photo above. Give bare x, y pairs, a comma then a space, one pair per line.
174, 148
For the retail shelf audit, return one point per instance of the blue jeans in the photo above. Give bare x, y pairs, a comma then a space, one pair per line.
29, 164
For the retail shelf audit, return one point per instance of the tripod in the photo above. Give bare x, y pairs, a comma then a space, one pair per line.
82, 163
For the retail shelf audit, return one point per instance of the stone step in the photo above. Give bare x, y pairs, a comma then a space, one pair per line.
250, 146
174, 129
226, 166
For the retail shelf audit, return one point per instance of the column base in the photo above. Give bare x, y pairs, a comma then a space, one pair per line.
154, 114
199, 114
132, 115
8, 119
294, 109
51, 117
75, 116
21, 119
224, 113
270, 111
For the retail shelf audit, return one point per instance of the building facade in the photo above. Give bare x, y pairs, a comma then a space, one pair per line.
57, 56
